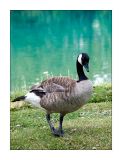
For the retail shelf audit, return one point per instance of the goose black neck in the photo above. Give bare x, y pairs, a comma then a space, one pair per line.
80, 72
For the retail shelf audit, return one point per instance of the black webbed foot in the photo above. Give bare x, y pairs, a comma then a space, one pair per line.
61, 133
58, 133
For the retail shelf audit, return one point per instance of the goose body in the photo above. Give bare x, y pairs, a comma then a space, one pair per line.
61, 94
71, 97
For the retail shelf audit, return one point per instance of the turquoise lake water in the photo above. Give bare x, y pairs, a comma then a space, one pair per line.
46, 43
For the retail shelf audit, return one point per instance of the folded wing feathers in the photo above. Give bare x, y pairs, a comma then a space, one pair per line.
56, 84
61, 84
54, 88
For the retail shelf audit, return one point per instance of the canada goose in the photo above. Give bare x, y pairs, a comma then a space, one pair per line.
61, 94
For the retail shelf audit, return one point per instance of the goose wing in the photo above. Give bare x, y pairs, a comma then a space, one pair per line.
53, 87
58, 84
55, 84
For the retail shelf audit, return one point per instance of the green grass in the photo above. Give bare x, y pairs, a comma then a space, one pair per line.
88, 128
102, 93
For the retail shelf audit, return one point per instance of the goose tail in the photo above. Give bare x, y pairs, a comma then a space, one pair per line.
21, 98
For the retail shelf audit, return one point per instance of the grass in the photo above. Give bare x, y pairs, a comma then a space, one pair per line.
89, 128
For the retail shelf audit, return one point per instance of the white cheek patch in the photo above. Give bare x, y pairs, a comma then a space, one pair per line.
33, 99
79, 59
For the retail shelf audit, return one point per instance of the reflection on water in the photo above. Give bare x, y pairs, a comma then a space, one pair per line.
46, 43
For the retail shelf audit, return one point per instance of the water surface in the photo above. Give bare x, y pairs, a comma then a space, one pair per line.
46, 43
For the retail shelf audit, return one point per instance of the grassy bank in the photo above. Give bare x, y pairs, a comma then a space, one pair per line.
89, 128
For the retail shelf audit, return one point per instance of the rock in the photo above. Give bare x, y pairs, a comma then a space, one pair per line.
94, 148
18, 125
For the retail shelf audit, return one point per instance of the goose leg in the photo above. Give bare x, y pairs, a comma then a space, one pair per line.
60, 130
53, 130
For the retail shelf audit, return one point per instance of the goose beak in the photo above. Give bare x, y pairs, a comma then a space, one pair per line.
86, 66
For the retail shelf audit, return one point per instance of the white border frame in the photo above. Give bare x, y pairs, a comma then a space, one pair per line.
5, 7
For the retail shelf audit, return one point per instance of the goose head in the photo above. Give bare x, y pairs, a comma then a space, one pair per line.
82, 62
83, 59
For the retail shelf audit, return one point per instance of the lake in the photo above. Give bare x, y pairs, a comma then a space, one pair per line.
47, 43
